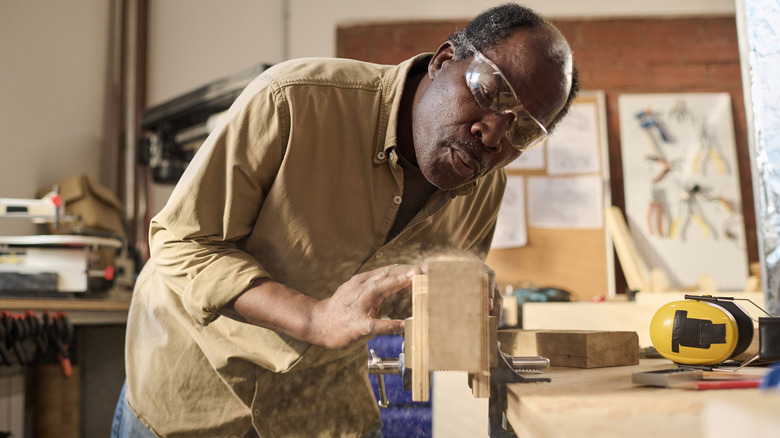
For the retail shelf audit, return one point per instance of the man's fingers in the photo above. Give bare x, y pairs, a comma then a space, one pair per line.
387, 327
389, 281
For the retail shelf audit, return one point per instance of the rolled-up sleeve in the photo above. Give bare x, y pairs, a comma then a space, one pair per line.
196, 238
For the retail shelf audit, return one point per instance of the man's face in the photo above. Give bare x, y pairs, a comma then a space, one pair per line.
457, 141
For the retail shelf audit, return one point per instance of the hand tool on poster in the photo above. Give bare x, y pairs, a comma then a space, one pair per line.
655, 212
650, 124
689, 210
708, 151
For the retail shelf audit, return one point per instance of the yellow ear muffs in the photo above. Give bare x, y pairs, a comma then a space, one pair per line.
701, 331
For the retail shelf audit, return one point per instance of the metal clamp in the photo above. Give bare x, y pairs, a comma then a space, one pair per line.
379, 367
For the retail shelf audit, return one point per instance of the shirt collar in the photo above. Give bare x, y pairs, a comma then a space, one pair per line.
392, 90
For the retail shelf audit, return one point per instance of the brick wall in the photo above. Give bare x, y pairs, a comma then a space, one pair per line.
669, 55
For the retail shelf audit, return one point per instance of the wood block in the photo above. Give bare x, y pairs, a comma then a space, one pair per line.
574, 348
457, 315
451, 324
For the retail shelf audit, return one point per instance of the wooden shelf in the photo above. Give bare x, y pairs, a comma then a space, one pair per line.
65, 304
109, 310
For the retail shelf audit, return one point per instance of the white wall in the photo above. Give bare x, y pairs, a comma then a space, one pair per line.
53, 61
193, 42
55, 53
313, 22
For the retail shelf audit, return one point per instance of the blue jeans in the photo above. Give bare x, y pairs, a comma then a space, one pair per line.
127, 425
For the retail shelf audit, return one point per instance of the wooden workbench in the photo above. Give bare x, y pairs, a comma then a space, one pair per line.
603, 403
108, 308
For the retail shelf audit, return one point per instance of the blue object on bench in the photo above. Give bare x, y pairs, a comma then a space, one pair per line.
403, 418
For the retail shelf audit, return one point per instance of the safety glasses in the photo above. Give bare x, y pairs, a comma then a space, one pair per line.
494, 93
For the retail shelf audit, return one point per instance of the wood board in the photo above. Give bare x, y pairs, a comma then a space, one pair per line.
603, 403
574, 348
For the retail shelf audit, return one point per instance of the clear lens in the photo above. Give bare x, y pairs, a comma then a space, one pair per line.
493, 93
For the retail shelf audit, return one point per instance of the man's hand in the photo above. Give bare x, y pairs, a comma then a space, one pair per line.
350, 314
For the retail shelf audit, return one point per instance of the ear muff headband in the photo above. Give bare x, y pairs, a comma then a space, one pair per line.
744, 325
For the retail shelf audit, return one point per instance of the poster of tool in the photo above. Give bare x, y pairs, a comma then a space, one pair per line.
680, 174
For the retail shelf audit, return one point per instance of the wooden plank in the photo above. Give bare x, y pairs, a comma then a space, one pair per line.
421, 380
633, 267
574, 348
457, 314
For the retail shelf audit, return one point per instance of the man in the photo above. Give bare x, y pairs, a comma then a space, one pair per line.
304, 216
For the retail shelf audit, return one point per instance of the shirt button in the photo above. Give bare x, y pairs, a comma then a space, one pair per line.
256, 412
397, 200
381, 155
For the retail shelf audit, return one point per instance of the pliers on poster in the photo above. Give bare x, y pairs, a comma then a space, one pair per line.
689, 210
655, 214
707, 151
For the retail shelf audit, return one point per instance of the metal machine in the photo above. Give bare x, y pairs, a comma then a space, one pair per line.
174, 130
50, 265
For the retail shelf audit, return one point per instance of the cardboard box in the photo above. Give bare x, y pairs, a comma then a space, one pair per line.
92, 206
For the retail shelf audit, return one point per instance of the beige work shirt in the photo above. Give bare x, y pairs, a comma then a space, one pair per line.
300, 184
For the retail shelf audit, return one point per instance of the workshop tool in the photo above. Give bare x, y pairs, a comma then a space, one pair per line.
451, 330
708, 151
655, 213
5, 355
689, 210
37, 332
62, 337
508, 369
725, 384
653, 128
49, 209
704, 330
648, 121
15, 335
695, 379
